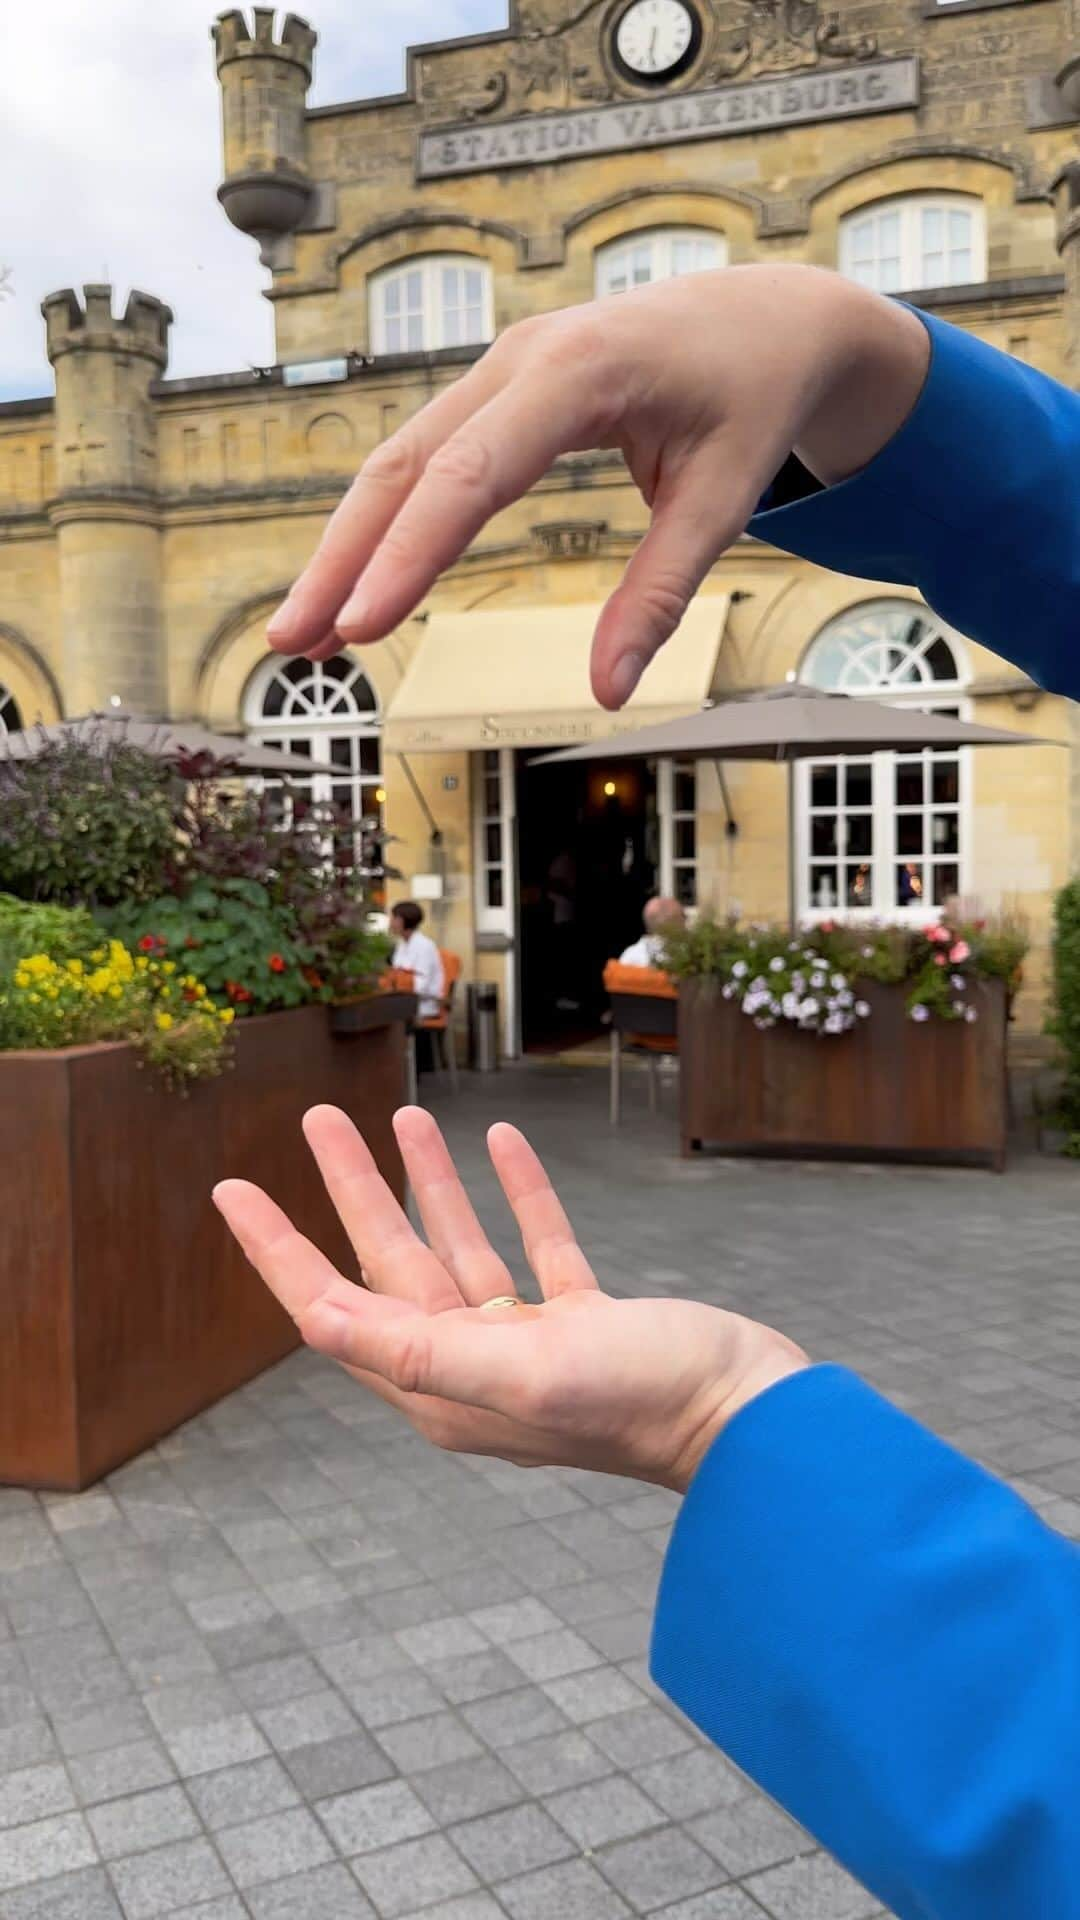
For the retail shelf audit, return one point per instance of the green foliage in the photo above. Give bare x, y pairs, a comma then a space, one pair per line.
245, 949
27, 926
1064, 1021
86, 825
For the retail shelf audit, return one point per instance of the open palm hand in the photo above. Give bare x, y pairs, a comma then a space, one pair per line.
637, 1387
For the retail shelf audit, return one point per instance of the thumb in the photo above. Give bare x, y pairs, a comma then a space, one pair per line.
691, 527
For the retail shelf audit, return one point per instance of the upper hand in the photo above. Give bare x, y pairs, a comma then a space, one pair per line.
705, 383
637, 1387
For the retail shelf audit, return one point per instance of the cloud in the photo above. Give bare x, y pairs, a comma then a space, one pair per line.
109, 126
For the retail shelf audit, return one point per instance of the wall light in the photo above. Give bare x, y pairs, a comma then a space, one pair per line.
380, 795
610, 789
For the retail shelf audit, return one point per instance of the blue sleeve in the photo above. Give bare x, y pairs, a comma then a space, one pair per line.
887, 1640
975, 501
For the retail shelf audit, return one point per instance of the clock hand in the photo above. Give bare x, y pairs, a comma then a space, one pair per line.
652, 47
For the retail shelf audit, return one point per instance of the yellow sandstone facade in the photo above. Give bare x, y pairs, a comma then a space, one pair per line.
149, 527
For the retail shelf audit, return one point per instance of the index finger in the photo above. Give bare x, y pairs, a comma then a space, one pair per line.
390, 1251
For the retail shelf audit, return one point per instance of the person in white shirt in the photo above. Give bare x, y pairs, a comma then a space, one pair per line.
660, 915
419, 954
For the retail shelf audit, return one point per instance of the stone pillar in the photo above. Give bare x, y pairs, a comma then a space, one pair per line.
105, 507
267, 189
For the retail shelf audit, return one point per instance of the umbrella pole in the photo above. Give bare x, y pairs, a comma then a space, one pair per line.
791, 840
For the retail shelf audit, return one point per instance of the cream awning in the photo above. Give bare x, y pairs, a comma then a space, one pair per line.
519, 677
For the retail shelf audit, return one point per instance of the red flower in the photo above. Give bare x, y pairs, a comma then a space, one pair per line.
238, 993
277, 964
828, 926
313, 979
189, 942
148, 943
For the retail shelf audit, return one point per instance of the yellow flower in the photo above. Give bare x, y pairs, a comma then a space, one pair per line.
22, 978
200, 991
168, 966
142, 963
227, 1015
98, 956
35, 999
163, 1021
116, 993
75, 967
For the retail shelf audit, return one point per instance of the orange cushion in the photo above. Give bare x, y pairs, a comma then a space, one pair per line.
640, 980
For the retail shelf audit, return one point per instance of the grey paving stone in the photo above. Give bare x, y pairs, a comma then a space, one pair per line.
32, 1793
327, 1893
142, 1821
70, 1896
217, 1743
571, 1891
440, 1639
397, 1696
84, 1732
699, 1781
130, 1768
622, 1636
435, 1740
267, 1683
723, 1903
588, 1600
604, 1810
502, 1844
556, 1761
466, 1788
632, 1739
274, 1847
401, 1607
374, 1817
474, 1676
337, 1766
304, 1722
748, 1835
44, 1849
593, 1695
812, 1888
470, 1906
551, 1655
658, 1867
234, 1795
169, 1879
479, 1586
515, 1620
509, 1718
231, 1908
370, 1657
399, 1880
29, 1743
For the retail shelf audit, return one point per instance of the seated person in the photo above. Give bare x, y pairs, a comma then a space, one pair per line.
418, 953
659, 915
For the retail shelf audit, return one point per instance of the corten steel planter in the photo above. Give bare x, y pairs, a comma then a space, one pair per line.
125, 1305
891, 1089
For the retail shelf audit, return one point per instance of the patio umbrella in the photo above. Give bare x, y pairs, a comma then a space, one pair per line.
794, 723
165, 739
791, 723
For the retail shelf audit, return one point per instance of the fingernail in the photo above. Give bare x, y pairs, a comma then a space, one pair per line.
354, 616
625, 675
284, 623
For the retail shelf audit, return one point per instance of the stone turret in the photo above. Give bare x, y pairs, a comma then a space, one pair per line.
105, 507
264, 83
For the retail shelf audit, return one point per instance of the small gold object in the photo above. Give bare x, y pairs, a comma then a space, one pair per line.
503, 1300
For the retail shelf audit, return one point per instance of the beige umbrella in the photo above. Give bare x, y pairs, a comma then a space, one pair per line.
794, 723
180, 740
791, 723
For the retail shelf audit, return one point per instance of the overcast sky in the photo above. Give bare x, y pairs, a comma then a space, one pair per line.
110, 158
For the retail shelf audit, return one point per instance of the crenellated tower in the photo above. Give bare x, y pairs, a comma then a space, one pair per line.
264, 84
105, 505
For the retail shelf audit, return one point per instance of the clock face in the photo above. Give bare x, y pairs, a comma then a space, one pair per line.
656, 39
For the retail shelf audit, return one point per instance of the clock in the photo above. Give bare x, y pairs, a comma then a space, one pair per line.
656, 40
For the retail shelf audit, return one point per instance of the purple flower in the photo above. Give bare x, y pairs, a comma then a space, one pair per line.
920, 1013
776, 966
862, 1008
957, 982
740, 970
971, 1016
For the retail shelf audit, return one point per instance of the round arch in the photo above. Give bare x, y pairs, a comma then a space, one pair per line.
237, 647
886, 649
29, 690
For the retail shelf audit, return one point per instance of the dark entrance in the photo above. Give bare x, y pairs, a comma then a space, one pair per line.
588, 853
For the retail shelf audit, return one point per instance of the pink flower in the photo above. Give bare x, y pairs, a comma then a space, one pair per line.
937, 935
939, 960
960, 953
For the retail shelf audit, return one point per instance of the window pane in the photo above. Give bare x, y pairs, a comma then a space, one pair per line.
491, 761
685, 839
493, 842
961, 266
414, 287
939, 661
933, 270
910, 890
858, 886
823, 894
946, 883
859, 783
889, 278
685, 790
393, 336
909, 833
392, 296
453, 329
888, 234
494, 887
415, 334
959, 227
909, 783
341, 752
685, 886
682, 256
451, 286
370, 757
945, 775
860, 833
823, 786
946, 833
933, 229
822, 834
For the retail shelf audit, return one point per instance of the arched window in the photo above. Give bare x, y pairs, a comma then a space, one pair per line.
883, 836
658, 254
921, 240
327, 711
10, 718
437, 300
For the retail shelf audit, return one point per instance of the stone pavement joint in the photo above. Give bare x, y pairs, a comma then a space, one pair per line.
291, 1665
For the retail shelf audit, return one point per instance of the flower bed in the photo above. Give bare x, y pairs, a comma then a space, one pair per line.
862, 1043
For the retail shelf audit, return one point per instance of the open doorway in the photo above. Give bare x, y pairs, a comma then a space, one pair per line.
589, 857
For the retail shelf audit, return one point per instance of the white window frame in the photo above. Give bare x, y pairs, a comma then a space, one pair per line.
318, 731
671, 864
504, 920
662, 241
430, 267
928, 696
911, 207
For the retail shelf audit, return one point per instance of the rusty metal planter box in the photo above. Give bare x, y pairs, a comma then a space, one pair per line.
125, 1307
891, 1089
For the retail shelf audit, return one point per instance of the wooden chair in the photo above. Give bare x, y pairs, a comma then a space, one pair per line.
441, 1024
644, 1020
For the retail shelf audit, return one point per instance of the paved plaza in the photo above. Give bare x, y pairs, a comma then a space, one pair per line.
292, 1665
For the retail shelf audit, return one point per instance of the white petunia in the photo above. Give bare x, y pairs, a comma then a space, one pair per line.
777, 965
971, 1016
862, 1008
740, 970
839, 982
920, 1013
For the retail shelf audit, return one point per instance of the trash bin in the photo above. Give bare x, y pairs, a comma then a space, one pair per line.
483, 1007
